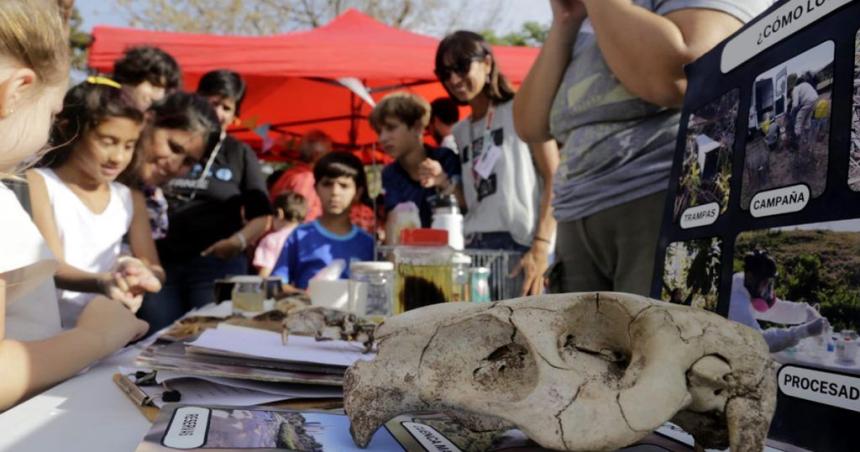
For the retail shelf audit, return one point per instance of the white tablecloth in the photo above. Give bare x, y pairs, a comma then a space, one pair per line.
87, 413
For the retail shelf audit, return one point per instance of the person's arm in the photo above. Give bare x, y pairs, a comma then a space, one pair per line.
534, 99
647, 52
536, 260
28, 367
68, 277
788, 313
140, 238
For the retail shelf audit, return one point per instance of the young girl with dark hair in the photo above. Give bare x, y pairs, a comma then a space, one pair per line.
81, 210
507, 183
216, 211
34, 352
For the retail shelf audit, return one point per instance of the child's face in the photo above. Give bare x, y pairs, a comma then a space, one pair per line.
397, 139
169, 153
106, 150
336, 194
225, 108
31, 124
145, 94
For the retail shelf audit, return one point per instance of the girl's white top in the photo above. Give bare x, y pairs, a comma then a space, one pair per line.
27, 267
91, 241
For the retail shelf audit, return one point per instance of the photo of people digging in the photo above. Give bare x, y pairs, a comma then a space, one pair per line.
707, 169
789, 125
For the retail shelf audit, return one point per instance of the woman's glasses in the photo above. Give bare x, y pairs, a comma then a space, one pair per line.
460, 67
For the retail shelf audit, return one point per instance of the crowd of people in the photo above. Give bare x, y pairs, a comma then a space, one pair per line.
141, 199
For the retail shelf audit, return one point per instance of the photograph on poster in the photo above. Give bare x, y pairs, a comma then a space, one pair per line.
706, 171
789, 127
800, 286
691, 273
854, 164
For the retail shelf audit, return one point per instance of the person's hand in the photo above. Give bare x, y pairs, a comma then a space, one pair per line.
111, 324
224, 249
128, 282
809, 329
568, 12
431, 174
533, 265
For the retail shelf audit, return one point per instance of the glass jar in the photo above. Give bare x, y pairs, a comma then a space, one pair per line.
480, 285
423, 269
460, 264
248, 294
379, 277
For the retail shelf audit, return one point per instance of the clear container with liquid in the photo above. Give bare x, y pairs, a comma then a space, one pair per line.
249, 294
423, 274
379, 277
460, 277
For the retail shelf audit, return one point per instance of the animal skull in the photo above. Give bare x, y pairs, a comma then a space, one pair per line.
590, 371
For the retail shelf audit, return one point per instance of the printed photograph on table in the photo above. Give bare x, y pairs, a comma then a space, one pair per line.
854, 163
800, 286
706, 172
785, 163
691, 273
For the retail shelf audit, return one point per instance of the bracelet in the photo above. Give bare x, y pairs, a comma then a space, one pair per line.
541, 239
243, 242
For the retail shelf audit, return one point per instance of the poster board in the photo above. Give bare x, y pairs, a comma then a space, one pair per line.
764, 207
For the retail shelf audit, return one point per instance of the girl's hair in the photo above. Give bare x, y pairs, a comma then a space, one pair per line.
32, 34
85, 106
467, 45
223, 83
188, 112
293, 205
343, 164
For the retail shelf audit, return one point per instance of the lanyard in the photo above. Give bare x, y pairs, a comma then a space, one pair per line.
200, 180
491, 113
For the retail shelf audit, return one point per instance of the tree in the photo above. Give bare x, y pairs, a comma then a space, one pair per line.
532, 34
263, 17
79, 41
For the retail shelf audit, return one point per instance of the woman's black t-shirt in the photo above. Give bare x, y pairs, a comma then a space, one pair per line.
204, 210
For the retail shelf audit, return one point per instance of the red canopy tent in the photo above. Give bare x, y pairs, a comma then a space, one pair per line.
297, 81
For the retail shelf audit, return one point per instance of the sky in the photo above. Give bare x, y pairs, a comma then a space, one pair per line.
105, 12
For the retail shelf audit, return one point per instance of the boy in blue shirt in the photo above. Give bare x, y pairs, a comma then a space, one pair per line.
420, 172
340, 182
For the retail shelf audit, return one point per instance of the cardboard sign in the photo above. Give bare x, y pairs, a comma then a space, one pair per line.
762, 220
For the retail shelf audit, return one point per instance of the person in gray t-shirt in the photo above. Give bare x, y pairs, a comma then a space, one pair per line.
606, 86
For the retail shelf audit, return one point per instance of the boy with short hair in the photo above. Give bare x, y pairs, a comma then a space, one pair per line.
290, 211
340, 182
148, 74
400, 120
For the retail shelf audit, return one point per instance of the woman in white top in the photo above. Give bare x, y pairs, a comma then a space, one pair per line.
83, 213
507, 183
34, 353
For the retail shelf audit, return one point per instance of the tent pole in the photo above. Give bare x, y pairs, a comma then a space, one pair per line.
353, 126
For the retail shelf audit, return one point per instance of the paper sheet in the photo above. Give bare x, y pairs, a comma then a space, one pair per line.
268, 345
283, 389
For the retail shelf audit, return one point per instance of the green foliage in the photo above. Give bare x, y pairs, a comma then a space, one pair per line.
532, 34
79, 41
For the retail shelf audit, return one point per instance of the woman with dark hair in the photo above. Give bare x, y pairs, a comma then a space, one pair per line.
181, 130
216, 211
507, 183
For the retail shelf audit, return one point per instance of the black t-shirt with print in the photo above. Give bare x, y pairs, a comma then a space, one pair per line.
204, 210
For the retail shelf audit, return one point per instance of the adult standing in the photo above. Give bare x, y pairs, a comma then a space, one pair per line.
607, 85
216, 211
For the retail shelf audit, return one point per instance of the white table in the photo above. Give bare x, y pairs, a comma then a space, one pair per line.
87, 413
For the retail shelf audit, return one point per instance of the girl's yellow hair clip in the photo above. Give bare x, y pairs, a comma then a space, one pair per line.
99, 80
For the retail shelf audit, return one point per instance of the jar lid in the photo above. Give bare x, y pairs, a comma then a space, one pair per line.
461, 259
371, 266
424, 237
